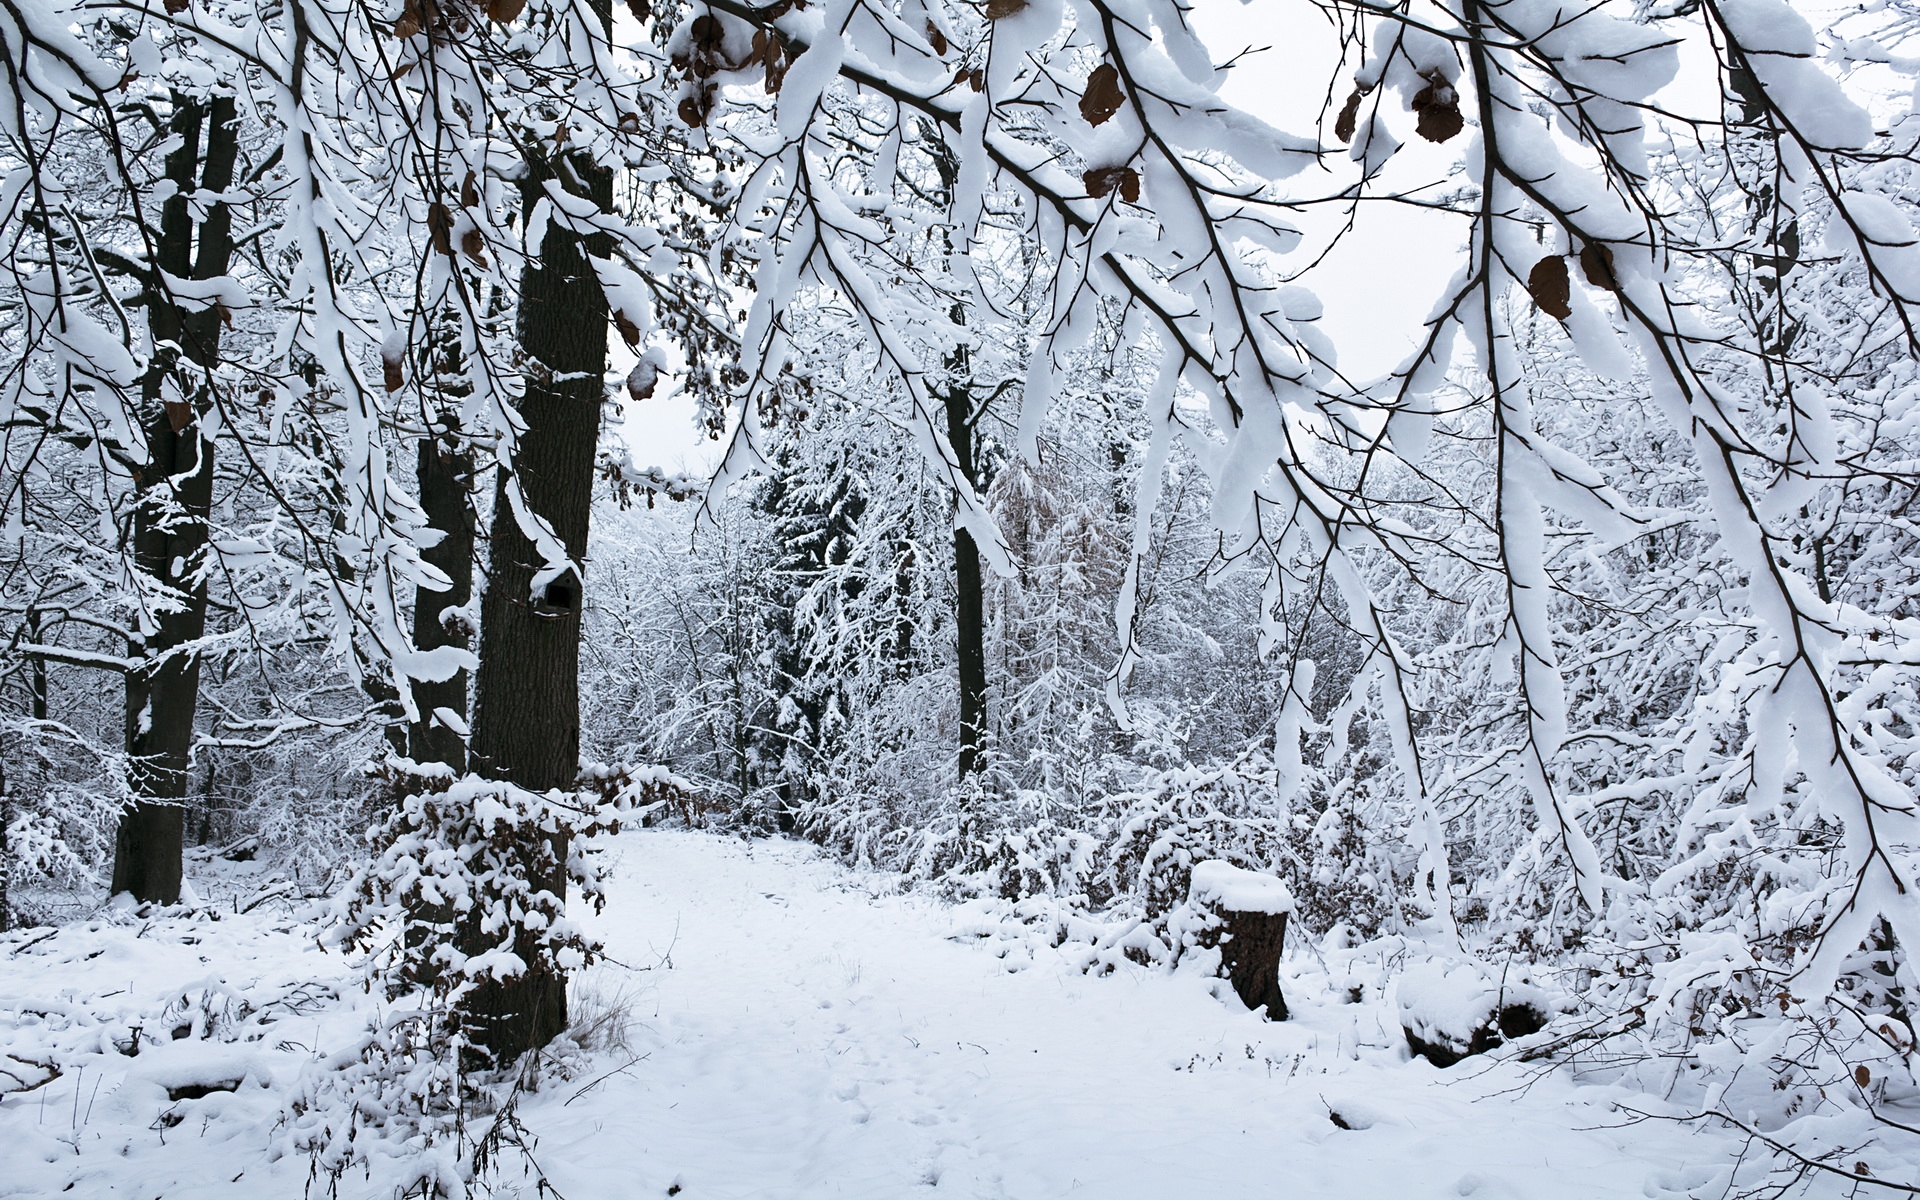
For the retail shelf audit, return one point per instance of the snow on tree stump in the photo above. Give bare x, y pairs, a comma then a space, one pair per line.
1244, 913
1451, 1011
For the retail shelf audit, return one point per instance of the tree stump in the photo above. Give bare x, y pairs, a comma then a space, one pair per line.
1244, 913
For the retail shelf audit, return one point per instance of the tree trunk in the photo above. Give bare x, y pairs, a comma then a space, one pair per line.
970, 606
526, 726
445, 474
175, 494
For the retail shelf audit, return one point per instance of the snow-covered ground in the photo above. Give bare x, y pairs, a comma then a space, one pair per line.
799, 1030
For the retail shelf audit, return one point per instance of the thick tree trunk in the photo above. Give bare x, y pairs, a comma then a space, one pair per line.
170, 514
970, 605
526, 725
445, 474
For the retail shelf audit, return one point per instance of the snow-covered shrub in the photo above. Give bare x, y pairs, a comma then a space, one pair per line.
466, 885
1178, 816
468, 875
1011, 848
60, 798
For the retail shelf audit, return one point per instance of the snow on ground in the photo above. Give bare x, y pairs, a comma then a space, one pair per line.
799, 1030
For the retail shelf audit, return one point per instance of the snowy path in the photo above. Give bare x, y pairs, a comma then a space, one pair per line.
812, 1040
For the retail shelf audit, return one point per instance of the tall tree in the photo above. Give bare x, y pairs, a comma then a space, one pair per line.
526, 726
175, 492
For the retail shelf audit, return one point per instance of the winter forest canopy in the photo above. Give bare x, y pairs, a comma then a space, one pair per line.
1025, 538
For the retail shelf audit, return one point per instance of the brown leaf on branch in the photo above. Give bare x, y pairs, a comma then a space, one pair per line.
1550, 288
1862, 1076
694, 109
440, 227
411, 21
394, 375
504, 11
1348, 120
996, 9
475, 245
1103, 96
470, 191
936, 39
640, 9
1102, 180
1596, 262
1438, 106
977, 79
629, 332
707, 33
176, 7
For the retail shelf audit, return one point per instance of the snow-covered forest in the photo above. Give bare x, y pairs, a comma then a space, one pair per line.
557, 560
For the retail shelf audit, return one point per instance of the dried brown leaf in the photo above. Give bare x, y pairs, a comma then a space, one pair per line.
1596, 262
504, 11
179, 414
1862, 1076
629, 332
936, 39
474, 243
1345, 123
997, 9
1103, 96
1438, 109
440, 227
1102, 180
1550, 288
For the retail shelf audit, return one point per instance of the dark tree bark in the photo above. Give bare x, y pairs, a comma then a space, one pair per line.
970, 605
1250, 948
175, 495
526, 726
445, 475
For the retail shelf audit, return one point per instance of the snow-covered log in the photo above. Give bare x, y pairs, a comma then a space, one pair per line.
1450, 1011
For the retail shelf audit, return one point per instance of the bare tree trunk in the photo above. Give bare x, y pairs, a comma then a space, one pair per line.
170, 514
526, 726
445, 475
970, 606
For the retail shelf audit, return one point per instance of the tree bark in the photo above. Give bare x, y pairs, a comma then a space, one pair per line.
445, 474
526, 726
1250, 948
970, 606
175, 495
